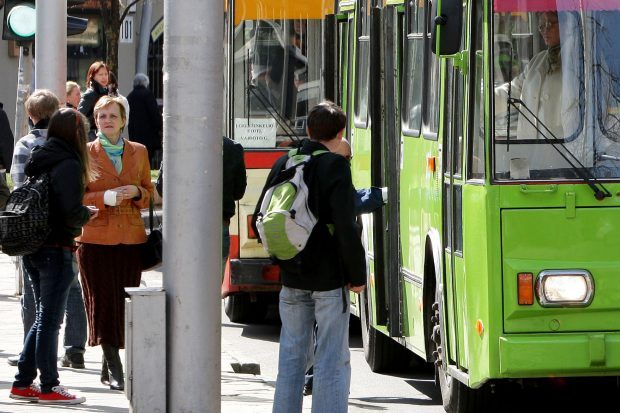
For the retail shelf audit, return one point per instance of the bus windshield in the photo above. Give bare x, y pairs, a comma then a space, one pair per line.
556, 78
276, 80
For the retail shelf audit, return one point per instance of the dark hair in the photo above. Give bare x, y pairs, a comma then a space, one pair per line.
93, 69
325, 120
71, 126
112, 84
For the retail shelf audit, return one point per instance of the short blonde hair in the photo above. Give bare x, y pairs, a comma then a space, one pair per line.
42, 104
109, 100
70, 85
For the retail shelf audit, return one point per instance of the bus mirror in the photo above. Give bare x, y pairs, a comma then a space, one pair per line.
447, 26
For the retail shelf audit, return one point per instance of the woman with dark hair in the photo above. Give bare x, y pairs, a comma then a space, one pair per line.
109, 253
97, 80
65, 158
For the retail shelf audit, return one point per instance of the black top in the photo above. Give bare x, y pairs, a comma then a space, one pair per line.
6, 141
89, 100
145, 121
235, 179
67, 214
328, 261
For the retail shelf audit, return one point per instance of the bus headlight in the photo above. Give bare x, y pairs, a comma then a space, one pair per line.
565, 288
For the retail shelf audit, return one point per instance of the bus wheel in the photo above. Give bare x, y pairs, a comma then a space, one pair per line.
382, 353
456, 396
240, 309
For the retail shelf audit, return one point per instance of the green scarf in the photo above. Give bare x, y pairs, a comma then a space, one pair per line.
114, 152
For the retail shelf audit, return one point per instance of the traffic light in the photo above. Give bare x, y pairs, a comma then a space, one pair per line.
19, 21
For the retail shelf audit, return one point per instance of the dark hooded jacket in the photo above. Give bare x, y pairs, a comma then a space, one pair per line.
66, 190
330, 260
89, 100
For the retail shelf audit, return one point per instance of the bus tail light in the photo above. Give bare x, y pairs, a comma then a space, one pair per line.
565, 288
271, 273
525, 287
251, 233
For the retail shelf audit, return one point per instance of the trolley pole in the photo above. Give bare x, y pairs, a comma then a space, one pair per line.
51, 47
193, 84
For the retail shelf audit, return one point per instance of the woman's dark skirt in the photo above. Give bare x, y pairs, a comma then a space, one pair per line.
105, 271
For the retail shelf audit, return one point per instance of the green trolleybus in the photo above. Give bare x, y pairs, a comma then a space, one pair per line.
495, 125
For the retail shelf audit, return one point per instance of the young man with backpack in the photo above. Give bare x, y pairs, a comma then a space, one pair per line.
330, 262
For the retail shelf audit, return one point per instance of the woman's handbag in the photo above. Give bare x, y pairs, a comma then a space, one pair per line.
151, 251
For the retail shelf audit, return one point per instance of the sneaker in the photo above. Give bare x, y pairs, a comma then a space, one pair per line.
30, 393
13, 360
73, 360
60, 395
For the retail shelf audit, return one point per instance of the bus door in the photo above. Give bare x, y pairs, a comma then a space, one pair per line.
453, 141
392, 58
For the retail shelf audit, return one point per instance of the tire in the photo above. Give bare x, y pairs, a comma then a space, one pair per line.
240, 309
456, 397
381, 352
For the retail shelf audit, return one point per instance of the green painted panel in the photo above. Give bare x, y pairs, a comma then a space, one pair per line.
546, 239
561, 354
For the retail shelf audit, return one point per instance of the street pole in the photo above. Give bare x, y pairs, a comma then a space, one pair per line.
51, 47
193, 93
24, 78
145, 36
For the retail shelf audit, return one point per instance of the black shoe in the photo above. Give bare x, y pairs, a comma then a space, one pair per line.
307, 389
13, 360
73, 360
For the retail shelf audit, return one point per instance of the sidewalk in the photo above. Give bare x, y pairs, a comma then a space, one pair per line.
241, 393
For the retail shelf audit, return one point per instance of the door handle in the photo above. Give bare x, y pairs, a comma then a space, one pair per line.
538, 189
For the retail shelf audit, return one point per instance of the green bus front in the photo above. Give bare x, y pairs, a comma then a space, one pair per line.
496, 256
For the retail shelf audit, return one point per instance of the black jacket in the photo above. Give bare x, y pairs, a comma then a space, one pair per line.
67, 214
6, 140
145, 120
234, 176
328, 261
89, 100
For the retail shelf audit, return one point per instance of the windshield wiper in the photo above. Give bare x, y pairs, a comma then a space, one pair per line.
273, 112
600, 192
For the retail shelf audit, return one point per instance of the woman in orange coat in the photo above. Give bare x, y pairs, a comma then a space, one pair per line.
109, 252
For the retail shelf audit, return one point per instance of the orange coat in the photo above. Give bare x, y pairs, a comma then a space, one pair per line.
121, 224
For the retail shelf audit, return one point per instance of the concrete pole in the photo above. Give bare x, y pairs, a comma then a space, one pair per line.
145, 36
24, 78
193, 93
51, 47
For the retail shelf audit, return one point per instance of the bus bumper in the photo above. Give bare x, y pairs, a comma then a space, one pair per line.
251, 275
537, 355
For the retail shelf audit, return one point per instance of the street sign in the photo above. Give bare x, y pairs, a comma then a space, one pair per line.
127, 30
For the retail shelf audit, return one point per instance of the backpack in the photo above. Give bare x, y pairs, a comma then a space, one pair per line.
285, 221
24, 225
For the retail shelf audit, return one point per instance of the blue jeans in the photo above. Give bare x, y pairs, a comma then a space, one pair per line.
332, 368
76, 329
51, 273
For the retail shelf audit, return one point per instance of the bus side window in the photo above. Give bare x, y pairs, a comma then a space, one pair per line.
477, 132
362, 63
414, 69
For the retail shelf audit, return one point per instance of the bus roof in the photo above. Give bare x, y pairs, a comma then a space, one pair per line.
281, 9
500, 6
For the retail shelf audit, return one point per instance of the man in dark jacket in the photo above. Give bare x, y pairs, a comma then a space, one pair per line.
316, 282
6, 154
145, 120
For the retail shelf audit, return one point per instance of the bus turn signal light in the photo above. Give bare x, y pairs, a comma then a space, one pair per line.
430, 163
251, 233
525, 286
